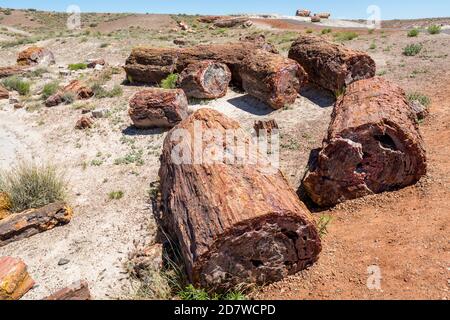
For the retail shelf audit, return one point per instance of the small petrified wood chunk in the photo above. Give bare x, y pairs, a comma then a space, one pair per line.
303, 13
4, 93
12, 71
158, 108
373, 145
77, 291
237, 222
330, 65
35, 56
265, 127
77, 88
15, 281
272, 78
205, 80
31, 222
84, 122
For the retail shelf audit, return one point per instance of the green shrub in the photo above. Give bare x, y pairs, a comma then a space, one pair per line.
417, 96
100, 92
413, 33
32, 186
49, 90
346, 36
18, 84
170, 82
412, 50
191, 293
434, 29
309, 31
327, 30
77, 66
116, 195
373, 46
37, 73
68, 97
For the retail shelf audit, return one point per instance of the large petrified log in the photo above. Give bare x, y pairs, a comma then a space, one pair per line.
373, 145
15, 281
35, 56
205, 80
233, 22
272, 78
31, 222
236, 221
158, 108
151, 65
77, 291
329, 65
303, 13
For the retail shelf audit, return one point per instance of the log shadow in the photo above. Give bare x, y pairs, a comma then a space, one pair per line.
251, 105
133, 131
319, 96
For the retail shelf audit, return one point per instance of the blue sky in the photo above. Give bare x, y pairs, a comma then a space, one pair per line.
390, 9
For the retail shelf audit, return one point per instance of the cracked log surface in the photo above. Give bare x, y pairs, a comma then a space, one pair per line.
235, 222
205, 80
31, 222
272, 78
373, 145
152, 65
329, 65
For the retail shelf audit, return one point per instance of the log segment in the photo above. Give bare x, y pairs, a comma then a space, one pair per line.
205, 80
77, 88
35, 56
272, 78
373, 145
329, 65
4, 93
236, 221
12, 71
15, 281
77, 291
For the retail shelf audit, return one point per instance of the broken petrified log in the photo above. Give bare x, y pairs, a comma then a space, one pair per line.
303, 13
23, 225
35, 56
205, 80
15, 281
209, 19
95, 62
158, 108
77, 291
272, 78
237, 220
373, 145
152, 65
233, 22
315, 18
324, 15
12, 71
84, 123
77, 88
4, 93
329, 65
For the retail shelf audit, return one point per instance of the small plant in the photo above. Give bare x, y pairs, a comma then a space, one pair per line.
373, 46
116, 195
412, 49
68, 97
49, 90
37, 73
104, 45
326, 31
413, 33
96, 162
132, 157
77, 66
309, 31
421, 98
100, 92
170, 82
346, 36
323, 224
32, 186
17, 84
434, 29
191, 293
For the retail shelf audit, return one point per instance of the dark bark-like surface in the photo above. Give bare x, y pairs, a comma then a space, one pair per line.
236, 222
158, 108
205, 80
373, 145
31, 222
78, 291
330, 65
272, 78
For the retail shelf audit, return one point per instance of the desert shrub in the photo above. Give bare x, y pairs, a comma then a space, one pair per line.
413, 33
309, 31
434, 29
116, 195
327, 30
417, 96
346, 36
373, 46
93, 25
77, 66
49, 90
170, 82
192, 293
37, 73
32, 186
18, 84
7, 12
68, 97
100, 92
104, 45
412, 49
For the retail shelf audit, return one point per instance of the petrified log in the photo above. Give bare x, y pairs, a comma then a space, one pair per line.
79, 89
236, 221
15, 281
233, 22
209, 19
158, 108
329, 65
96, 62
31, 222
34, 56
151, 65
272, 78
205, 80
84, 123
77, 291
373, 145
4, 93
324, 15
303, 13
12, 71
315, 18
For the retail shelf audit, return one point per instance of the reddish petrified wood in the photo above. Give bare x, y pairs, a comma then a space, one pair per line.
329, 65
23, 225
77, 291
236, 221
151, 65
272, 78
209, 19
265, 127
4, 93
84, 123
303, 13
158, 108
15, 281
373, 145
12, 71
76, 87
34, 56
205, 80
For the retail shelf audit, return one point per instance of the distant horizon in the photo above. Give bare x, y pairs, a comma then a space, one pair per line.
350, 9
